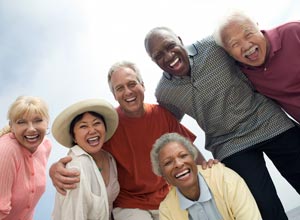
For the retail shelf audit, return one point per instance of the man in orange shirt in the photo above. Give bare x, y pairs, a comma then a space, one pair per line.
140, 124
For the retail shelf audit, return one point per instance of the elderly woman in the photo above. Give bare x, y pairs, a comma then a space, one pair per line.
24, 152
84, 127
214, 194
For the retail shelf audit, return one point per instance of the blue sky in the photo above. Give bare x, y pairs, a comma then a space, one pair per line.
61, 51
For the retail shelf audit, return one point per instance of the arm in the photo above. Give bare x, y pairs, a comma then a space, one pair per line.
88, 200
8, 171
63, 178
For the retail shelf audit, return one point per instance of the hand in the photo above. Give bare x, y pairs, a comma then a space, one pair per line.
209, 163
63, 178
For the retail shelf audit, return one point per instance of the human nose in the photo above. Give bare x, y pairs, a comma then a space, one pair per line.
246, 44
30, 126
127, 90
91, 129
168, 55
178, 162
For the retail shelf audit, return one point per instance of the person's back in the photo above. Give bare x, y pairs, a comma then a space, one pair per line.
222, 101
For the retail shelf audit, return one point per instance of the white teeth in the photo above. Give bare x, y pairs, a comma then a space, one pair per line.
31, 136
174, 62
250, 51
93, 139
182, 173
130, 100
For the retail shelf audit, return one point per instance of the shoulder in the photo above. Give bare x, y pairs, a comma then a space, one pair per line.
80, 160
9, 146
219, 174
170, 198
284, 29
156, 109
46, 145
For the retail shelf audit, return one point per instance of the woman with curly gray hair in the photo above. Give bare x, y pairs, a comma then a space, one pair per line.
216, 193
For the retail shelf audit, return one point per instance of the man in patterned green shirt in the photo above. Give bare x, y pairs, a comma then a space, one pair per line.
202, 81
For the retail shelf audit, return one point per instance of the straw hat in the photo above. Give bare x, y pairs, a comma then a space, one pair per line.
61, 124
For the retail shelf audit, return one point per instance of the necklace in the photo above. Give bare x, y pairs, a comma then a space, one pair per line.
100, 164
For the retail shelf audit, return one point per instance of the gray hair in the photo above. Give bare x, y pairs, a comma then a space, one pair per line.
232, 16
123, 64
161, 142
25, 105
155, 30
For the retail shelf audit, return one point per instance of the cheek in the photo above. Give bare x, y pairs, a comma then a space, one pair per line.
78, 136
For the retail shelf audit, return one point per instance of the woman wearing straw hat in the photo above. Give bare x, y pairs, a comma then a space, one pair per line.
84, 127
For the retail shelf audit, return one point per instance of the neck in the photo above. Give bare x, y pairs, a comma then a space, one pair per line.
192, 193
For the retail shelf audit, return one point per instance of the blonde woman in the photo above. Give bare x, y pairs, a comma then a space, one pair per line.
24, 151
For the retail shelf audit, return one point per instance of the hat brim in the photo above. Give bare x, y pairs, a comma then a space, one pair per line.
61, 125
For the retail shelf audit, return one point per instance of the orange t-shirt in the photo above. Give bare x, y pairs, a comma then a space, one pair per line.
131, 145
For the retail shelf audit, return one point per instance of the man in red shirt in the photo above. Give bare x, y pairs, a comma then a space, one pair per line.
140, 124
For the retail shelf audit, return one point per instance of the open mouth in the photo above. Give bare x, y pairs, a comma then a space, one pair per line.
183, 174
176, 61
252, 53
93, 141
32, 138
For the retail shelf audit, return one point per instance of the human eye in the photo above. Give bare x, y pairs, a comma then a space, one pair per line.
158, 56
82, 126
20, 121
38, 120
249, 34
171, 46
119, 88
184, 155
167, 163
234, 45
98, 122
132, 84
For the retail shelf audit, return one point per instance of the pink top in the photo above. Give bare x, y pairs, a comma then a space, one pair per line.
23, 177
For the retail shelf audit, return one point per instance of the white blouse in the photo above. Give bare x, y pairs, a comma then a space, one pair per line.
89, 200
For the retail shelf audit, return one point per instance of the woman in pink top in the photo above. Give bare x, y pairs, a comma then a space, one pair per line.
24, 152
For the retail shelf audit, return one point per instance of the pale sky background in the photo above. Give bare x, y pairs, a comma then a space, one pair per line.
61, 50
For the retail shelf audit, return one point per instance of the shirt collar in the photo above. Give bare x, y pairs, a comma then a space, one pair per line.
205, 194
78, 151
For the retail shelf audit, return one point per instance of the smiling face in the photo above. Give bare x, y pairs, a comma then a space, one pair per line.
245, 42
167, 51
178, 166
30, 130
128, 91
89, 133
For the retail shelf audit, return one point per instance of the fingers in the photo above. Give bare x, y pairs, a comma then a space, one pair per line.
65, 160
209, 163
63, 178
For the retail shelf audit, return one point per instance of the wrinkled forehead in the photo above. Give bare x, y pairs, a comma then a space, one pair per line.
234, 29
123, 75
159, 39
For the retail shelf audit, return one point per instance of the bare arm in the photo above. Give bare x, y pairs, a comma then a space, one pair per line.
63, 178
